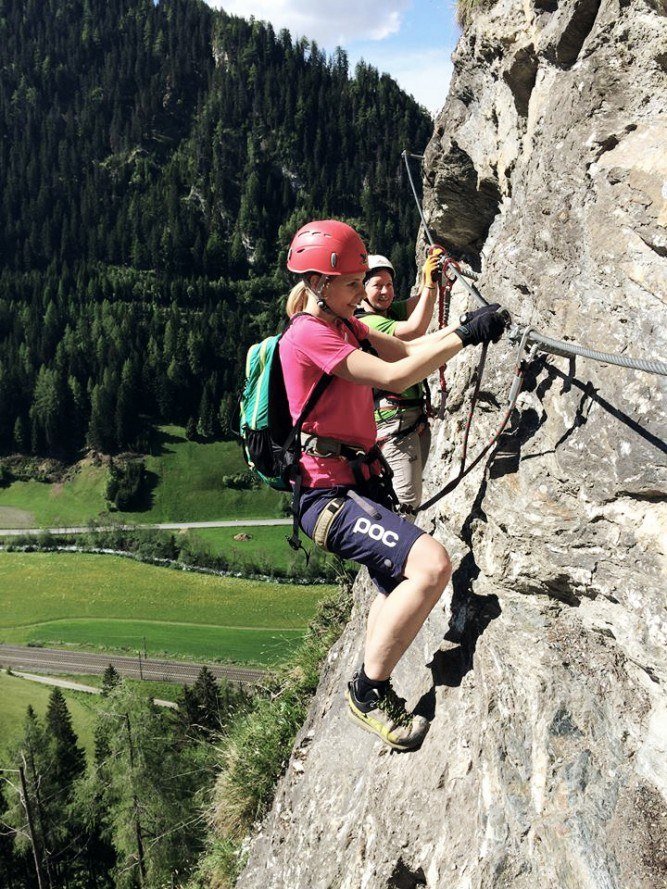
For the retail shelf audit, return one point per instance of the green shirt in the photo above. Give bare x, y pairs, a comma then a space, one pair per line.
398, 311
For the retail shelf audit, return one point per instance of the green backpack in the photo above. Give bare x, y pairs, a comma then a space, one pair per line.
271, 443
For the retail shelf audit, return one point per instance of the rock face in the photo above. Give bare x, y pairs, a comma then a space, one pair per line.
544, 673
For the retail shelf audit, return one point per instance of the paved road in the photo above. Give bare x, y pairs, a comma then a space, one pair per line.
76, 662
164, 526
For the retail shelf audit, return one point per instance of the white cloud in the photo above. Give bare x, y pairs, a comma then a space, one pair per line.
329, 22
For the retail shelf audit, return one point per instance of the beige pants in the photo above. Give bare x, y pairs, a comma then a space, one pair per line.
407, 454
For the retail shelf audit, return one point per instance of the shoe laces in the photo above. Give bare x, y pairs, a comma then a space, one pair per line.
394, 706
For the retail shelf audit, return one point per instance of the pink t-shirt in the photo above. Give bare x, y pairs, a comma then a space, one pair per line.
309, 348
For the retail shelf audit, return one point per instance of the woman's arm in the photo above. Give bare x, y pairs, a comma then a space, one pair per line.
413, 346
419, 315
397, 374
420, 306
389, 348
485, 325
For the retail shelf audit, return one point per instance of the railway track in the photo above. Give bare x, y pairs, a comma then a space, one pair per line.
55, 660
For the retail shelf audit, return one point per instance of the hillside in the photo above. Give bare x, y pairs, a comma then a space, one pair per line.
543, 673
156, 160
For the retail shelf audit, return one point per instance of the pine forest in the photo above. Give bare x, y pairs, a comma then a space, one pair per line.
155, 160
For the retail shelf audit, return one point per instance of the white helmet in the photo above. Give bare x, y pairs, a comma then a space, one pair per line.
376, 263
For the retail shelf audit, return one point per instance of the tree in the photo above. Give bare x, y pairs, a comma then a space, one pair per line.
207, 425
191, 429
49, 409
202, 705
225, 419
32, 755
110, 679
10, 862
148, 786
101, 432
69, 760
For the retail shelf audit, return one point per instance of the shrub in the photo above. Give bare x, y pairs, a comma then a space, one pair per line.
6, 476
241, 481
125, 484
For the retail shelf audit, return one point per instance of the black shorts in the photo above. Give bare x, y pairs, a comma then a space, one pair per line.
381, 541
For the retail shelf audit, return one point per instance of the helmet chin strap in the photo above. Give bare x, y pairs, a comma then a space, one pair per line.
370, 307
319, 296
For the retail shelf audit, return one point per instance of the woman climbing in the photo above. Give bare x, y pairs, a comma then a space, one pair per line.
346, 498
403, 430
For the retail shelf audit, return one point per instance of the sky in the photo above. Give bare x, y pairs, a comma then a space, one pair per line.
412, 40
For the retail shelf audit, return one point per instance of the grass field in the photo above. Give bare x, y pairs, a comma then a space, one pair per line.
185, 486
116, 604
35, 504
166, 691
16, 694
266, 548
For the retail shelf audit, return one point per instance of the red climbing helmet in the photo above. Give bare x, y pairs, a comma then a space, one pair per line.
329, 247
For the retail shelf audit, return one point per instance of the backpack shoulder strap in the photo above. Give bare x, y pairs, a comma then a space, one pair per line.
321, 384
311, 401
365, 343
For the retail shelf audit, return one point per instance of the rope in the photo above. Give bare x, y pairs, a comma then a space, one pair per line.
543, 343
460, 272
473, 405
444, 306
515, 389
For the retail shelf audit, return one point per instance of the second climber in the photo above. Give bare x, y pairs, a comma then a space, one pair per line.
403, 431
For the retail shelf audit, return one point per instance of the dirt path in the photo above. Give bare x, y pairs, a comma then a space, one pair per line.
77, 686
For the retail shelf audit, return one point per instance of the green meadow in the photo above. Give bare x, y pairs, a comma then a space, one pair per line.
116, 604
17, 694
185, 484
265, 548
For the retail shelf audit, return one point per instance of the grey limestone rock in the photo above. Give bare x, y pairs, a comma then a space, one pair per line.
544, 671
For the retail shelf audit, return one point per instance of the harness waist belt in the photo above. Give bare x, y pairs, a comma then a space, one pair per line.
388, 403
322, 446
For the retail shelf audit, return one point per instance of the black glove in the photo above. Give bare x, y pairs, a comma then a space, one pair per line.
485, 325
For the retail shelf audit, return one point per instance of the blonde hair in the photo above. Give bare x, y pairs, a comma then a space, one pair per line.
297, 299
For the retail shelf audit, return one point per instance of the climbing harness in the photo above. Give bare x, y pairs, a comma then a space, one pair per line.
325, 521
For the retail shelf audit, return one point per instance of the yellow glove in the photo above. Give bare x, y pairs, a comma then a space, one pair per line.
431, 268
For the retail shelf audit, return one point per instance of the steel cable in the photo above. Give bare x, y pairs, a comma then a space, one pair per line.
566, 349
544, 343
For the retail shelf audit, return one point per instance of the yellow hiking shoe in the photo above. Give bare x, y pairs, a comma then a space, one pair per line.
385, 715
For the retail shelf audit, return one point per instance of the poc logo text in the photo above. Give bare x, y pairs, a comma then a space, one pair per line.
375, 532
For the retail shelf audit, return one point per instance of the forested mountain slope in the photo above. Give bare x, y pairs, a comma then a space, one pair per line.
154, 161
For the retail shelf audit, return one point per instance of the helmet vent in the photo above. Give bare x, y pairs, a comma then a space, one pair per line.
334, 260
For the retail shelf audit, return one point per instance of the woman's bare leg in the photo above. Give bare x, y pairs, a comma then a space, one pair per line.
373, 613
395, 620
